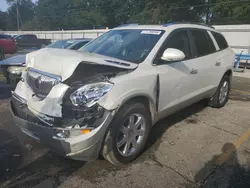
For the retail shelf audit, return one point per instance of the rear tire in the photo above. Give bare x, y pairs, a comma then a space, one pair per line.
221, 96
125, 141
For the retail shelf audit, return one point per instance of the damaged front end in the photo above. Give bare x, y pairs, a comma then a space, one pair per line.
65, 115
80, 108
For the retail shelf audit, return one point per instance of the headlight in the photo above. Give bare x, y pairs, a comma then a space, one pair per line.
88, 95
16, 70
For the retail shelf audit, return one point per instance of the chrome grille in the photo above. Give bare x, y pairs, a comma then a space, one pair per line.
41, 82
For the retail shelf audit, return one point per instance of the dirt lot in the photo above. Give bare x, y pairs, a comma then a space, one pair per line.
197, 147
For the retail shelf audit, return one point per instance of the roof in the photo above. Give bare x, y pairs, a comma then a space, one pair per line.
167, 26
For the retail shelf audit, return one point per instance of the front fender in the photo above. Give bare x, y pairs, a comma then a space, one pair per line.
130, 86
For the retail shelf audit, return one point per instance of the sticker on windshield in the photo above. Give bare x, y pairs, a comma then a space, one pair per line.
151, 32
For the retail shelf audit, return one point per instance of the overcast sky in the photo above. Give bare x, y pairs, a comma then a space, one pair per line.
4, 5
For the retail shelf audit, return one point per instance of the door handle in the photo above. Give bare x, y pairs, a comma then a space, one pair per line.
218, 63
194, 71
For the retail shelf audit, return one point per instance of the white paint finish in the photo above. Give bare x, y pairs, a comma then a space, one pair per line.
206, 77
63, 62
51, 105
226, 58
177, 85
141, 82
172, 54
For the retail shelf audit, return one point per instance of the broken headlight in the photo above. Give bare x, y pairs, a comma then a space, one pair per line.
89, 94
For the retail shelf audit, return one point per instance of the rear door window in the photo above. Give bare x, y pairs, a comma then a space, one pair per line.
220, 40
203, 44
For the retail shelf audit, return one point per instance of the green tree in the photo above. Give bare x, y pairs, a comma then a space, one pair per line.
26, 12
3, 21
68, 14
163, 11
234, 12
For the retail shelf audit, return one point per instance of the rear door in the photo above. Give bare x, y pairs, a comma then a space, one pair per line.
224, 56
204, 61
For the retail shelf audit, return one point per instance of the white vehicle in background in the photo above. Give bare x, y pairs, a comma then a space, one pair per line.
105, 98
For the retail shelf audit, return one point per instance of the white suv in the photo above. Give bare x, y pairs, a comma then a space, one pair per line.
105, 98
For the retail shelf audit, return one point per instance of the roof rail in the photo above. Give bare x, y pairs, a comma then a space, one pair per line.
130, 24
172, 23
206, 25
168, 24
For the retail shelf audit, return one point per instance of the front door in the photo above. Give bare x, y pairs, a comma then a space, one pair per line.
178, 80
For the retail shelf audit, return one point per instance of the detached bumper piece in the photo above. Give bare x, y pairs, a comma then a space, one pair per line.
81, 147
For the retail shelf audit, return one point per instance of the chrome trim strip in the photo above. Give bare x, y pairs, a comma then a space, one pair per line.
57, 77
17, 97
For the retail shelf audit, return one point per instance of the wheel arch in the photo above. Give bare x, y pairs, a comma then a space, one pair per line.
229, 72
144, 99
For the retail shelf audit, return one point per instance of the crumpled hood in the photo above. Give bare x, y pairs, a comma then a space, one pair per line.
63, 62
15, 60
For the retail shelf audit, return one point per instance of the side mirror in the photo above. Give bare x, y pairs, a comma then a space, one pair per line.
172, 54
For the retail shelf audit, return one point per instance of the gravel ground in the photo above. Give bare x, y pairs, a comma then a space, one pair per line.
196, 147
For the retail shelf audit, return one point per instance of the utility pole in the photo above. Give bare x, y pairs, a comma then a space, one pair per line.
17, 15
207, 12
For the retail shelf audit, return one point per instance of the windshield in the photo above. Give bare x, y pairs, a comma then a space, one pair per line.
129, 45
60, 44
78, 45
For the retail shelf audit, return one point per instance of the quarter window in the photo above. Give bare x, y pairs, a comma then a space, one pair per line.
220, 40
202, 42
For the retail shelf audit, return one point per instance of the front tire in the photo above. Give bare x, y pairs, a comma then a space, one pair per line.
127, 135
221, 96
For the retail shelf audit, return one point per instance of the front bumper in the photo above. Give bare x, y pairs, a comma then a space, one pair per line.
83, 147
